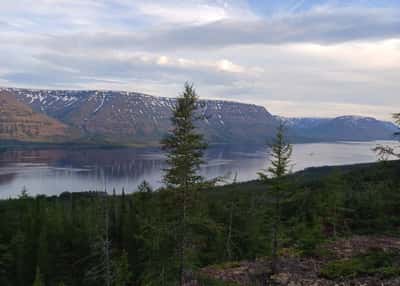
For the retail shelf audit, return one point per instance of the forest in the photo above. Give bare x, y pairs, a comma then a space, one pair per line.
190, 229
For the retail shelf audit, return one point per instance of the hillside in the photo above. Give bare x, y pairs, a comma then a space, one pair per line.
339, 226
19, 122
124, 117
112, 117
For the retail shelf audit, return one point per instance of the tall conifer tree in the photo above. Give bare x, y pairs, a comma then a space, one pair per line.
281, 152
184, 147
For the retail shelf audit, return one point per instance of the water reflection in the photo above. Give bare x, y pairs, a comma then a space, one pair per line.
54, 171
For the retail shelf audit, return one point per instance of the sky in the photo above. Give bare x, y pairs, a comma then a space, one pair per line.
318, 58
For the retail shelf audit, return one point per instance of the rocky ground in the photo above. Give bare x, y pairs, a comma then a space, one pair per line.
309, 271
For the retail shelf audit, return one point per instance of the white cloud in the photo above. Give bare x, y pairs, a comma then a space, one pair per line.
190, 12
369, 55
228, 66
199, 14
163, 60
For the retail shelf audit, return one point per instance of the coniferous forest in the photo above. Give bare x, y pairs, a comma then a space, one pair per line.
345, 220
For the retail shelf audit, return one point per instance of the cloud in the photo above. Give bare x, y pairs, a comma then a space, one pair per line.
4, 24
310, 56
318, 26
328, 109
90, 69
193, 12
228, 66
183, 13
163, 60
296, 5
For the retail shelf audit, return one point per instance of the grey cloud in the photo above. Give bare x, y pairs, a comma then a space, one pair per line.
325, 27
53, 79
318, 27
4, 25
44, 78
125, 69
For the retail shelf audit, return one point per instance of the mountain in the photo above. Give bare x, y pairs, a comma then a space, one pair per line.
127, 117
303, 123
19, 122
135, 118
343, 128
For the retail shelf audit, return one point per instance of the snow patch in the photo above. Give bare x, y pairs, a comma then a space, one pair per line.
101, 104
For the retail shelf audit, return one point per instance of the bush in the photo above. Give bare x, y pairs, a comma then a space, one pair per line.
374, 263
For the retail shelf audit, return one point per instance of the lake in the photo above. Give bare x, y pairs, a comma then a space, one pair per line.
54, 171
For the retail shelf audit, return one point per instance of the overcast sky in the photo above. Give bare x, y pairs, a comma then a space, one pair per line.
295, 57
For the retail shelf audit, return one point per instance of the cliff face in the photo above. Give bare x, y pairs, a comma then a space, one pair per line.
138, 118
19, 122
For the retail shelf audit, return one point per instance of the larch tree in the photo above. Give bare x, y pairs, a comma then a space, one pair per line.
281, 152
184, 147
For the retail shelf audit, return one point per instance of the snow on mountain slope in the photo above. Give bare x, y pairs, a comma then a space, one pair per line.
303, 122
134, 117
129, 117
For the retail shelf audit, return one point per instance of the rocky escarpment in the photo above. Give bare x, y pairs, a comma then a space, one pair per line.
19, 122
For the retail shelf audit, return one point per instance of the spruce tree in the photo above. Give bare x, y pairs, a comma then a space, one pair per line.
384, 152
281, 152
184, 147
101, 271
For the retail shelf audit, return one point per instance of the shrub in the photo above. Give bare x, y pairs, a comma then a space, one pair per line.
374, 263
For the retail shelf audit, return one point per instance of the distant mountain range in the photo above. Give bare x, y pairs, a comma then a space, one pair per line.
342, 128
133, 118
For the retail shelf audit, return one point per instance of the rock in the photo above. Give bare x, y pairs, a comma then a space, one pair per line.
282, 278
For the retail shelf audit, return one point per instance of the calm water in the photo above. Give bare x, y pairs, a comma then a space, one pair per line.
55, 171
